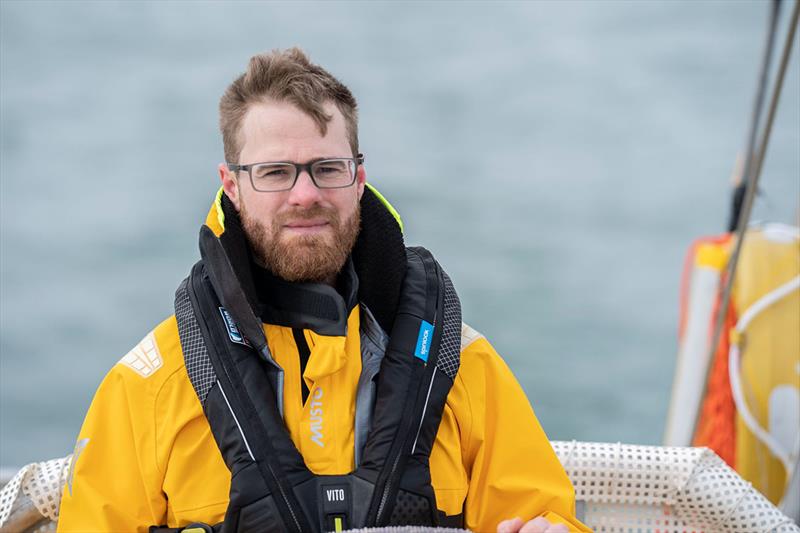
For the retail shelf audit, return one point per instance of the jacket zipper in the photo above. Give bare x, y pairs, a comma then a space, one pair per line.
387, 489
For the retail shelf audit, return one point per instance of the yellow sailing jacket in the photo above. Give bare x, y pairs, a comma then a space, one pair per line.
146, 455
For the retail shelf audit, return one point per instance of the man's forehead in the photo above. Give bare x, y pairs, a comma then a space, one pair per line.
273, 127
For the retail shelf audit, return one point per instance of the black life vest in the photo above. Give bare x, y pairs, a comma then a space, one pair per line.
238, 382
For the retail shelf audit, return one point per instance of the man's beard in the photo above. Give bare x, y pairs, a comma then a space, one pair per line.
303, 258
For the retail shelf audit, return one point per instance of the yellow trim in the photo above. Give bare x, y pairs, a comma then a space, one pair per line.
215, 219
218, 205
337, 524
194, 530
388, 206
711, 255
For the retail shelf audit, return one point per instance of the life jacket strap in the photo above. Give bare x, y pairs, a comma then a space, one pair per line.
195, 527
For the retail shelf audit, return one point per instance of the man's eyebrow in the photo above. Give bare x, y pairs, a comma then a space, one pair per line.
314, 160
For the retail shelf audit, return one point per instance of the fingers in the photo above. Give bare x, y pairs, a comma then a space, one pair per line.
537, 525
542, 525
510, 526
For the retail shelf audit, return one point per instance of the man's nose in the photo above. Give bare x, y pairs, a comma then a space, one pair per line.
304, 193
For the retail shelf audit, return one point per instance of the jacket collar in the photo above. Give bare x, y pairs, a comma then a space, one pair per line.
315, 306
373, 274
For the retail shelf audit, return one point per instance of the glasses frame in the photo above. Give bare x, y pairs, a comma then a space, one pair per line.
299, 168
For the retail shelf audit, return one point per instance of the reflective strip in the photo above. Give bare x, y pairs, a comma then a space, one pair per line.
387, 205
247, 445
220, 212
424, 410
76, 453
468, 336
144, 358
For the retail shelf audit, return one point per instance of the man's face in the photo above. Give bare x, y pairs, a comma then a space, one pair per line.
305, 233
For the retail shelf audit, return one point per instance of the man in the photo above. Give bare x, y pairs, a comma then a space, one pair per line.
316, 374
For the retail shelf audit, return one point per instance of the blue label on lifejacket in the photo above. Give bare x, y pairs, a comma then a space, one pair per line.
233, 331
424, 341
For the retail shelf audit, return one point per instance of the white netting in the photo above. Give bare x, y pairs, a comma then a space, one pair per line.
629, 488
40, 484
9, 494
44, 485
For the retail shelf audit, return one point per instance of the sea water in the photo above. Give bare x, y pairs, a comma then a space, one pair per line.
557, 158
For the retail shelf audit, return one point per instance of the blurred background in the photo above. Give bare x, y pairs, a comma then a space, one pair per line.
558, 158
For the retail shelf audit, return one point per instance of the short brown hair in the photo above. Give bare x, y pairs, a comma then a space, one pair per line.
285, 76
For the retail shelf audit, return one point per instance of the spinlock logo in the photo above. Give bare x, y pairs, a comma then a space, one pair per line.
316, 417
424, 341
233, 331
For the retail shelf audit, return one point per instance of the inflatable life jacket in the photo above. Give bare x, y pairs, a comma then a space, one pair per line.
750, 413
240, 386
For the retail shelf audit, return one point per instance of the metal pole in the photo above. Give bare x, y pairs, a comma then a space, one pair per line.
755, 118
751, 186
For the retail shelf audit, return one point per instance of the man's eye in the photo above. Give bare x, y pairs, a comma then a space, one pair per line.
272, 173
330, 168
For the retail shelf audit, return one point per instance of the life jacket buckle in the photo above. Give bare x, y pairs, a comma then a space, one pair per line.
198, 527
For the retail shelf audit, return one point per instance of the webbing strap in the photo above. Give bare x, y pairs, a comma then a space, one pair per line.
196, 527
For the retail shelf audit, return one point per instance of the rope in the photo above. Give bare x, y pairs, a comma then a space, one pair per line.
765, 301
734, 370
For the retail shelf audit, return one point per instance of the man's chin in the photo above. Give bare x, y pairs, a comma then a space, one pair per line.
304, 259
288, 241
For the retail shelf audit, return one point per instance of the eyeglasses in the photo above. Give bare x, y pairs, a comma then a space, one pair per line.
336, 173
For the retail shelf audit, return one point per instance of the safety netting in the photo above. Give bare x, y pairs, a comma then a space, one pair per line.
632, 489
30, 500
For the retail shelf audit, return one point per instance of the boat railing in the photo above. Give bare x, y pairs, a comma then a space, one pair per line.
618, 487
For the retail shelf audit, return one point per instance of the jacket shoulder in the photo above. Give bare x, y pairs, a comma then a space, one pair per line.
478, 355
484, 387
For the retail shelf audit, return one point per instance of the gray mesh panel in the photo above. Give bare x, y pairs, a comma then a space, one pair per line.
195, 353
450, 348
411, 509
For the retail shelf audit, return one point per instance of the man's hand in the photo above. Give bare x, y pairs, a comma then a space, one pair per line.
537, 525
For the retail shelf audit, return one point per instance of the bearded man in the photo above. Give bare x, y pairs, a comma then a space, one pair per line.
316, 375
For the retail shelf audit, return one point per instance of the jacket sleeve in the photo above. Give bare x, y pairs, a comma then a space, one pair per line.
512, 468
114, 483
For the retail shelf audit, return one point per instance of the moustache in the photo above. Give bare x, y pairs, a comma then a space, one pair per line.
315, 212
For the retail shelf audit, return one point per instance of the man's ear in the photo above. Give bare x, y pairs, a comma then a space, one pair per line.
361, 179
230, 184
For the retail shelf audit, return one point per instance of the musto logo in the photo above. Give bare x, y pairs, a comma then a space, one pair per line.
316, 417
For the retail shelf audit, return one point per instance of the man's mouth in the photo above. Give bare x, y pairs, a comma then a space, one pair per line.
310, 226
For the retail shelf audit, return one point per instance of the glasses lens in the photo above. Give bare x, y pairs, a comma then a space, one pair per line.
272, 176
333, 173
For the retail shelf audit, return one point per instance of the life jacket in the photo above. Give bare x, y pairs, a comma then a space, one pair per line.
240, 386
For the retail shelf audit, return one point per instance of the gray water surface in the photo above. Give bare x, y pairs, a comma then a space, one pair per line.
558, 158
